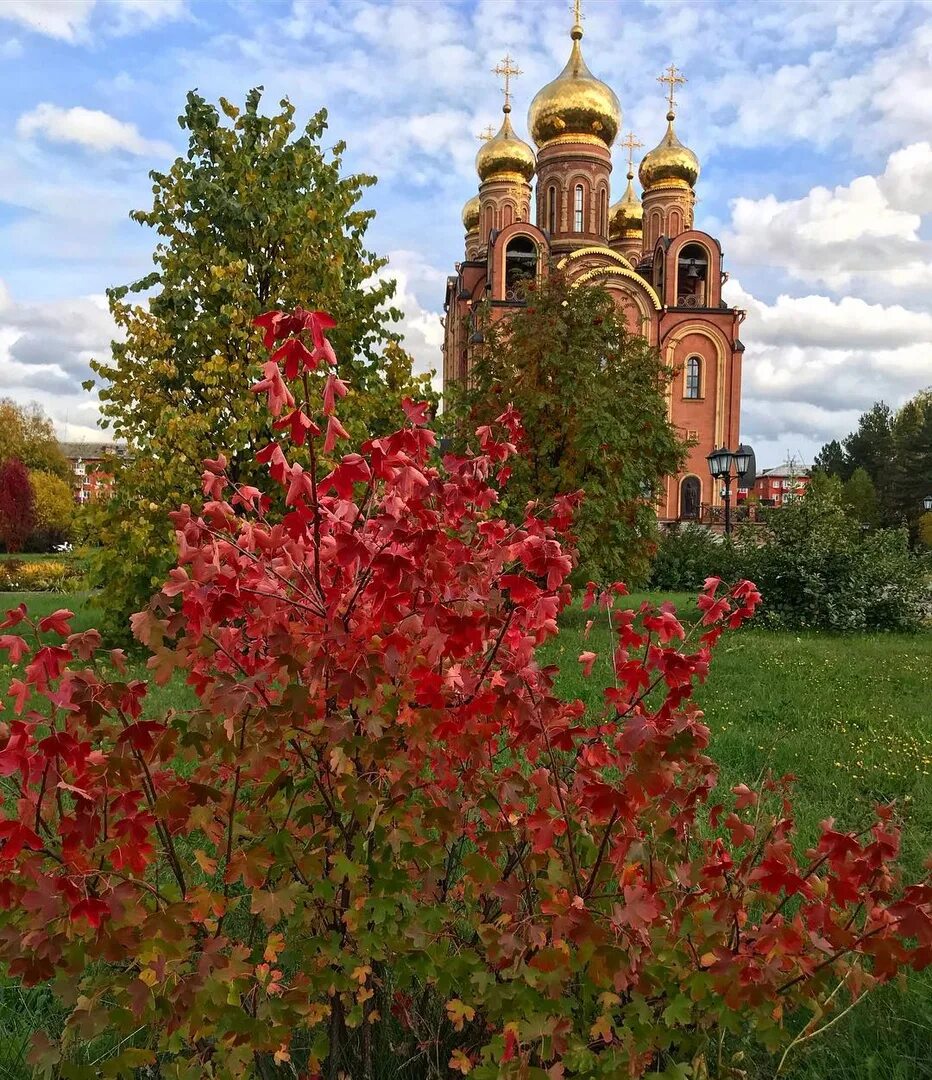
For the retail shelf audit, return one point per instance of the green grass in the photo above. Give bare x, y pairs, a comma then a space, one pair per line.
850, 717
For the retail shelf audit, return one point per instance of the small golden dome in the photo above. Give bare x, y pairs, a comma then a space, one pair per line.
505, 153
626, 215
471, 214
670, 160
575, 103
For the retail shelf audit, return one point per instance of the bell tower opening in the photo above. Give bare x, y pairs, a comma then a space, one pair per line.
692, 277
520, 266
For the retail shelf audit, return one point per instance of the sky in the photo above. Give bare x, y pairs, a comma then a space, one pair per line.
812, 122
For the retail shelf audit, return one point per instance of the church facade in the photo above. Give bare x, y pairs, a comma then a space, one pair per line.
665, 275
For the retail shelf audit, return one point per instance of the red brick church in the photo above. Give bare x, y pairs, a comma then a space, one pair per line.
665, 275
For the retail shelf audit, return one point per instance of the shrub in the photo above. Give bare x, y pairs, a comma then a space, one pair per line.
49, 575
380, 836
17, 505
688, 555
818, 568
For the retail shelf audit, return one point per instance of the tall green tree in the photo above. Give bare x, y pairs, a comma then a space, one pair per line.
27, 435
256, 215
859, 498
912, 473
593, 401
831, 459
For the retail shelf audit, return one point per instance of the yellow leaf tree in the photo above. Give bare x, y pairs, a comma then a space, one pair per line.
256, 215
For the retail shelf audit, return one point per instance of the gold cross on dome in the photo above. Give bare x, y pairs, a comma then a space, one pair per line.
508, 70
673, 77
631, 143
576, 8
489, 133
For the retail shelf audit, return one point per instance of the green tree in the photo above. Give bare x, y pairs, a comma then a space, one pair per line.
256, 215
831, 459
859, 499
912, 472
54, 508
824, 488
592, 399
27, 435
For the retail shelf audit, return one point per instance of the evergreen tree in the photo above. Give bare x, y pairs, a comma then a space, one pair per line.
592, 399
859, 499
831, 460
912, 474
255, 216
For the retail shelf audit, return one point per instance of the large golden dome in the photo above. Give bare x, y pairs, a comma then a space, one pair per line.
575, 103
505, 154
626, 215
670, 160
471, 214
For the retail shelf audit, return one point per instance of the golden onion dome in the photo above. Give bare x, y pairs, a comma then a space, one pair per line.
670, 160
505, 154
575, 103
471, 214
626, 215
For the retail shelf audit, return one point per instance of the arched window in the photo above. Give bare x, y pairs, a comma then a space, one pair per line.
692, 385
508, 214
690, 496
552, 209
578, 208
520, 265
489, 221
692, 273
603, 212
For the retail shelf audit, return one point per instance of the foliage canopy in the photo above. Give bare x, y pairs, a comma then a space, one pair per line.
592, 400
255, 213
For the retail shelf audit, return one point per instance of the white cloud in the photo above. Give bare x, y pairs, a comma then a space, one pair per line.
863, 229
70, 20
45, 350
65, 20
90, 128
813, 364
421, 326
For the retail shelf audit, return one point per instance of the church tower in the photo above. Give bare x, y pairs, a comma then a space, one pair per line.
505, 165
574, 121
626, 217
668, 175
663, 274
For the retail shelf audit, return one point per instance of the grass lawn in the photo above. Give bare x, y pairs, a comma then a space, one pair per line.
850, 717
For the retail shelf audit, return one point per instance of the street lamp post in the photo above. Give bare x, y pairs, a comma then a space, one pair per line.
927, 503
721, 462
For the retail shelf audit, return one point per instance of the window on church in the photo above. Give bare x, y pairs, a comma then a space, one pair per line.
520, 266
603, 212
578, 209
692, 271
693, 387
552, 209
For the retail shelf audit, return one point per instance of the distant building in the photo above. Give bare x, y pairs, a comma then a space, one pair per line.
91, 468
775, 487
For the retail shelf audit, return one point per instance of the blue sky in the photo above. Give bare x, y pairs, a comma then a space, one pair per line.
811, 121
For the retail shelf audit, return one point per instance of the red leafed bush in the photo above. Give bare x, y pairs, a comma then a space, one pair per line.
17, 505
380, 844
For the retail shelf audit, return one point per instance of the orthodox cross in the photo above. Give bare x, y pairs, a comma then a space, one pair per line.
508, 70
487, 134
673, 77
630, 143
576, 8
